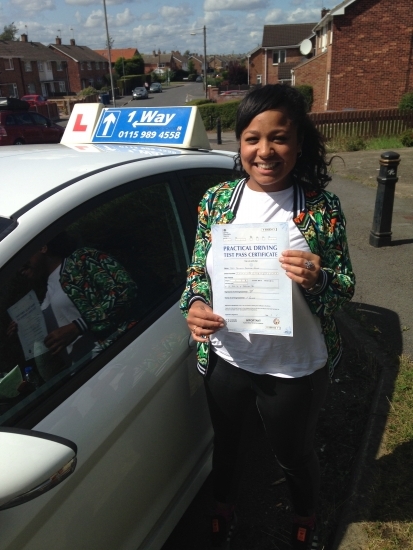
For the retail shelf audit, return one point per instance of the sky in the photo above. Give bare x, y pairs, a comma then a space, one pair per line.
232, 26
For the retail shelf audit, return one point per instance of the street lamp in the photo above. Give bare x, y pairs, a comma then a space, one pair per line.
205, 58
109, 56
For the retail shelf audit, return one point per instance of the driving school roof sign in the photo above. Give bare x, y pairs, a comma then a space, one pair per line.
172, 126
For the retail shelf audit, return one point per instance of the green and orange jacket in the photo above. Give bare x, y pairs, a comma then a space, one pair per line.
319, 217
103, 292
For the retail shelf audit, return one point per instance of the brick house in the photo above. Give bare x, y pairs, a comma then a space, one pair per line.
85, 67
279, 53
158, 62
180, 61
363, 57
30, 68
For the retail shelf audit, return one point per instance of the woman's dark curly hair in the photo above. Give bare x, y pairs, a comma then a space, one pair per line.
311, 168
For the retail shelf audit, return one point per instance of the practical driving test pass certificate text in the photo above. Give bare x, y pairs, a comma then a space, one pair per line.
250, 289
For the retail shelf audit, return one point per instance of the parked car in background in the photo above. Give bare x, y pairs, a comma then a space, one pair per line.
140, 93
20, 127
199, 79
34, 99
155, 87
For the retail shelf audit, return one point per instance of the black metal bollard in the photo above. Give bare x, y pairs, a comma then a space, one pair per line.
219, 139
380, 234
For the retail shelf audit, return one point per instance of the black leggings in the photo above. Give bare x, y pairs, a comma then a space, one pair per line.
289, 409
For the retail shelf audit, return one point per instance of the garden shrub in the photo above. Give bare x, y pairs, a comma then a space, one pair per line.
407, 138
406, 102
354, 143
226, 111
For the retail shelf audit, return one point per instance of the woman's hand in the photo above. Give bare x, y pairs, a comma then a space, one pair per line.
302, 267
59, 339
202, 321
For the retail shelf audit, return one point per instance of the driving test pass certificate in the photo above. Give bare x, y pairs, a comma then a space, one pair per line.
251, 291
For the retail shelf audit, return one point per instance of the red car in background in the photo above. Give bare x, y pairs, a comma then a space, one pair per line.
20, 127
34, 99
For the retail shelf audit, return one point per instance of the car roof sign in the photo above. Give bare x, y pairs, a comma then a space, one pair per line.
82, 122
171, 126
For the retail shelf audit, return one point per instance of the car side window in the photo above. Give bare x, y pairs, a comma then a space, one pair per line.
10, 120
39, 119
23, 119
85, 288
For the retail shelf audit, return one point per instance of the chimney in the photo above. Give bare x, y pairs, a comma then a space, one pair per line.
154, 52
58, 41
324, 12
72, 42
23, 38
159, 51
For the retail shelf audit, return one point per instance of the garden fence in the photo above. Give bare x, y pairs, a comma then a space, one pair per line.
365, 123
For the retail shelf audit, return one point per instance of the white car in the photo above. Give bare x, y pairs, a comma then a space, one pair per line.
124, 398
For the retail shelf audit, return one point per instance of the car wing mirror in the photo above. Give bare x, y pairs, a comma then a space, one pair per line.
32, 463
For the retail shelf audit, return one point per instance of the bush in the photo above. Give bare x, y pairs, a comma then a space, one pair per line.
90, 90
406, 102
354, 143
307, 91
407, 138
198, 102
226, 111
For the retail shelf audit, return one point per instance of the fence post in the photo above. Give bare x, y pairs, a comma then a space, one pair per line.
219, 140
380, 234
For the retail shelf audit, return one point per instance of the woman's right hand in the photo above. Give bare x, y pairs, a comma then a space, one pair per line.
202, 321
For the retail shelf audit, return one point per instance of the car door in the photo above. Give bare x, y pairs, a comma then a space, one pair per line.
49, 133
134, 406
26, 129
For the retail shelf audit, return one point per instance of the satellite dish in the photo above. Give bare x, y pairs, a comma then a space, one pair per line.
306, 46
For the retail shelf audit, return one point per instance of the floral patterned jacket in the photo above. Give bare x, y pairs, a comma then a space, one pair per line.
319, 217
103, 292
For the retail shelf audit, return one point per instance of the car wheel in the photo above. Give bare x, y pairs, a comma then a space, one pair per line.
19, 142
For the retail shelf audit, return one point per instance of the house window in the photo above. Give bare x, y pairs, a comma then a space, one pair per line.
59, 65
89, 66
28, 66
49, 65
13, 92
161, 64
40, 66
278, 56
259, 79
97, 65
62, 86
31, 88
8, 64
82, 66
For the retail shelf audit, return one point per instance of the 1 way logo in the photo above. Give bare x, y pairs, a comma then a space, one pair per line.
160, 126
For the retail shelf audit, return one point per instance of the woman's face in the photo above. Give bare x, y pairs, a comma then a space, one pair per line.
269, 147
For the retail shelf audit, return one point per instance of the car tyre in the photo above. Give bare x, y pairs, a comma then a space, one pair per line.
19, 142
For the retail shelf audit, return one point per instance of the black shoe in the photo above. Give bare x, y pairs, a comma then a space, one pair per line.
222, 531
304, 537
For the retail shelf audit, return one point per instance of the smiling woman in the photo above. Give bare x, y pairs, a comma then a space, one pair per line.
282, 158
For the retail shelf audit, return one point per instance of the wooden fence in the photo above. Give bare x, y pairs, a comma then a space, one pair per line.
366, 123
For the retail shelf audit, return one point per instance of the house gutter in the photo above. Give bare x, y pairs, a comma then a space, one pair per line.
266, 65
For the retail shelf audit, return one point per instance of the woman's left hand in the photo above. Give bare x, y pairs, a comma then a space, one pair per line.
302, 267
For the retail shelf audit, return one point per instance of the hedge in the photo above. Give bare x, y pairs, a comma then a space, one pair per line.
225, 111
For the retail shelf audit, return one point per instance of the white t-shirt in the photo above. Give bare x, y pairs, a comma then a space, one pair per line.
287, 357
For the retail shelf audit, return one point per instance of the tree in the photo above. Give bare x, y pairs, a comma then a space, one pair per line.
237, 73
191, 67
111, 42
125, 67
9, 32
